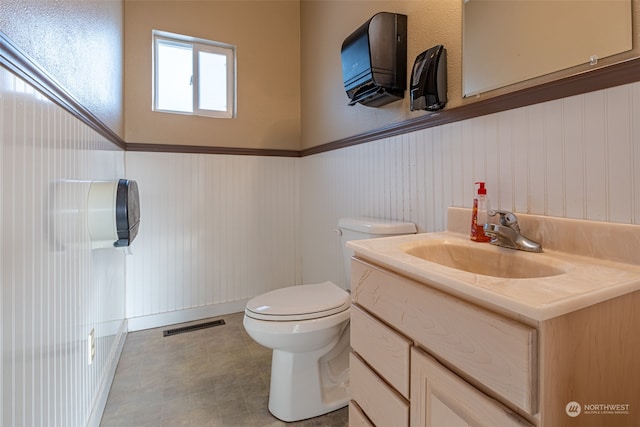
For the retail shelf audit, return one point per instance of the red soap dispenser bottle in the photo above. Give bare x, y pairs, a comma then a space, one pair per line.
479, 215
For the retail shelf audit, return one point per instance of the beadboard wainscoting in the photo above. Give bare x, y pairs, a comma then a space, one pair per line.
577, 157
215, 231
54, 290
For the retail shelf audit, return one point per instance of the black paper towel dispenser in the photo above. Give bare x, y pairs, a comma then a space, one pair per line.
374, 60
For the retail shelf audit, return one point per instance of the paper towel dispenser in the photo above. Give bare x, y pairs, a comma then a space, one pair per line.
113, 213
374, 60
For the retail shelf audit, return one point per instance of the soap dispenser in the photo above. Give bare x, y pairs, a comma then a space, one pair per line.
429, 80
479, 215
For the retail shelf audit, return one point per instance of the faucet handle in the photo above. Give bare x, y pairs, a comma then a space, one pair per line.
507, 218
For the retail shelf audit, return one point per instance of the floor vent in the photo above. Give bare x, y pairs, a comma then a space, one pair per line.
176, 331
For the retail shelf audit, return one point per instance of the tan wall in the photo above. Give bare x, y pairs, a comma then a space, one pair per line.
324, 26
326, 23
79, 44
267, 36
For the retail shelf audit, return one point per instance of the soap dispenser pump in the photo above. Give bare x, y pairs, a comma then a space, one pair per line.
479, 215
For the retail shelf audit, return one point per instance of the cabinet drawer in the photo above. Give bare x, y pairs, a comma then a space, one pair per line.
493, 352
381, 404
357, 418
385, 351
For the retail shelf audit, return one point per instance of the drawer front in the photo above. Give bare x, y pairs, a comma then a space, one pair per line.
493, 352
357, 418
381, 404
386, 351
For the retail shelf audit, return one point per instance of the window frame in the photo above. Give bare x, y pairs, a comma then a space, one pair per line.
197, 45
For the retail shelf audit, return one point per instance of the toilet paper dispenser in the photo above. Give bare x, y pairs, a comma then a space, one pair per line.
113, 213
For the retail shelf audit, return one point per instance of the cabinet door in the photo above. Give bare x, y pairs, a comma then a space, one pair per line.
441, 398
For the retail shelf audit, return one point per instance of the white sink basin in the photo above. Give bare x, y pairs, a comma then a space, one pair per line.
485, 259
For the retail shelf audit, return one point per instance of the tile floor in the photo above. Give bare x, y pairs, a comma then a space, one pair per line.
211, 377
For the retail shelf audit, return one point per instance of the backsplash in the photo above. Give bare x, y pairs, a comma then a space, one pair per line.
595, 239
53, 288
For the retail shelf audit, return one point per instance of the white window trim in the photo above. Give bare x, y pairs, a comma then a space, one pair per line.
199, 45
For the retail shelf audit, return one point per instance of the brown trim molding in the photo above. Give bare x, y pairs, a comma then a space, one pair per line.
18, 62
625, 72
196, 149
602, 78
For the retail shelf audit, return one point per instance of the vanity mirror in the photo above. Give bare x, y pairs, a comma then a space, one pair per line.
508, 42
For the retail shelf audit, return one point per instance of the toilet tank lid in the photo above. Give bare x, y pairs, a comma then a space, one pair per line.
377, 226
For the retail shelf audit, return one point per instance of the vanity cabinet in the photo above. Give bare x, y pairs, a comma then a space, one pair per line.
423, 357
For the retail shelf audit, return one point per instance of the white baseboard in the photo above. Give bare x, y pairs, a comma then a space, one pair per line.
189, 315
110, 372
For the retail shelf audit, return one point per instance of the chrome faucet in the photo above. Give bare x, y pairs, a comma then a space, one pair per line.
507, 233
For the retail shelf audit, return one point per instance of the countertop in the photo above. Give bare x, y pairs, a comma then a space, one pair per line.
587, 280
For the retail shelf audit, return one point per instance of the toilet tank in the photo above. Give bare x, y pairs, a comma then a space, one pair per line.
368, 228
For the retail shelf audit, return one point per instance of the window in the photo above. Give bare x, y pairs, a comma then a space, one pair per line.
193, 76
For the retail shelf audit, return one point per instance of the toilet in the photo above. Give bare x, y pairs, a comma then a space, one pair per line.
307, 326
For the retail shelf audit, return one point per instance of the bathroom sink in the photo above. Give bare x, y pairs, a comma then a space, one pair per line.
485, 259
583, 263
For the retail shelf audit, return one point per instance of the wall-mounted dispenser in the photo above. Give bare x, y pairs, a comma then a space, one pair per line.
429, 80
374, 60
113, 213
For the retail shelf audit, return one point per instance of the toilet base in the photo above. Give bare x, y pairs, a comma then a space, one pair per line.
306, 385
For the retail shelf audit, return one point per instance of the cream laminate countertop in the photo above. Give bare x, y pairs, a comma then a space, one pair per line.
585, 280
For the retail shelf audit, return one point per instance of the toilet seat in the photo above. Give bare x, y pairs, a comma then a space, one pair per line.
301, 302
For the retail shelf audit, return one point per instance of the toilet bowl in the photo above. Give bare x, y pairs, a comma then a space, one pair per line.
309, 335
307, 326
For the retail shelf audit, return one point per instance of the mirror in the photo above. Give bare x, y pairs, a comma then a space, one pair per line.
507, 42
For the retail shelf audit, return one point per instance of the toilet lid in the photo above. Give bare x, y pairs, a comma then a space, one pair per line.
299, 302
